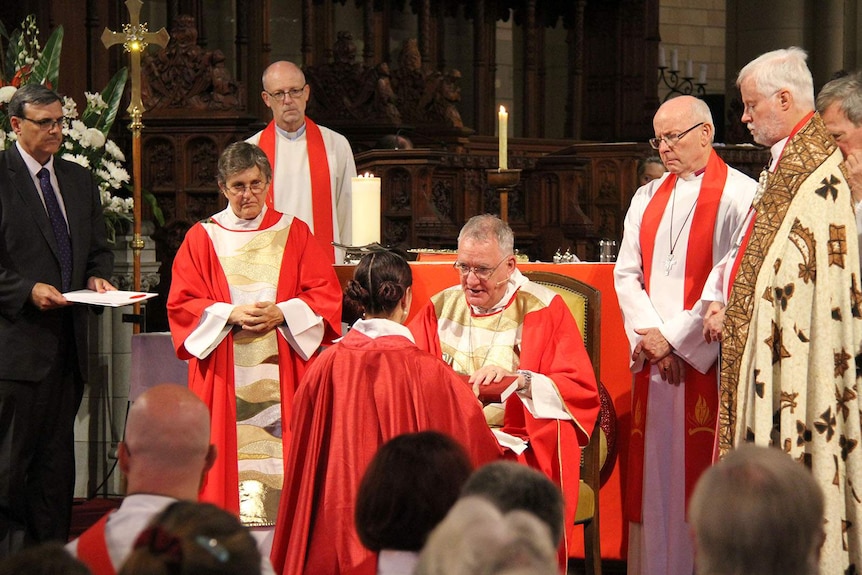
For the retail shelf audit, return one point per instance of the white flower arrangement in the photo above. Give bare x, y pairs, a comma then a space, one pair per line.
85, 135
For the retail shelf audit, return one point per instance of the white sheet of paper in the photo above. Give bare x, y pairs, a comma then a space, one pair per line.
108, 298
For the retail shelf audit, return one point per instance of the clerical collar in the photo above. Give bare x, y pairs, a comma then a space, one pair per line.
291, 135
693, 175
227, 219
515, 281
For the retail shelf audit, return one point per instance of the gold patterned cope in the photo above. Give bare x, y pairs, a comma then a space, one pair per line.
251, 262
793, 333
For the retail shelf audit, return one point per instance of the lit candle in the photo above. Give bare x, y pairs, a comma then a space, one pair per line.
702, 78
503, 118
365, 211
674, 60
689, 69
662, 62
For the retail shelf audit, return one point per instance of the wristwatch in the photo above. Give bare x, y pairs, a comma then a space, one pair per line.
528, 379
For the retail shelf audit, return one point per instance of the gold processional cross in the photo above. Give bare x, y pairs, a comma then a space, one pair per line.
135, 38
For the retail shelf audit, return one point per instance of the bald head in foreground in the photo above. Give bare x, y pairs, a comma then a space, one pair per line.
164, 458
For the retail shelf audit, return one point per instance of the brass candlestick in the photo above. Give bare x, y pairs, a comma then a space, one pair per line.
503, 181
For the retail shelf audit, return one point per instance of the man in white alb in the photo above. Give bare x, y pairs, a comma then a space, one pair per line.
312, 165
676, 229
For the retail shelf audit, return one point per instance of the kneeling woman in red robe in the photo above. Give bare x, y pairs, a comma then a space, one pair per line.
371, 386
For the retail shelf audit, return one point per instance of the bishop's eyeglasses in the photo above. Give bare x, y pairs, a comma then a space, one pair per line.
670, 139
480, 272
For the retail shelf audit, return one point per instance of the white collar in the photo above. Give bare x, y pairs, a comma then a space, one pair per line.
32, 163
392, 562
291, 135
227, 219
516, 280
379, 327
775, 151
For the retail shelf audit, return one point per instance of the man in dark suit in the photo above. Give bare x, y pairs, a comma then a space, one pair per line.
52, 240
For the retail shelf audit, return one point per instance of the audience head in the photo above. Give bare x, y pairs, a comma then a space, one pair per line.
486, 259
244, 173
840, 105
36, 116
757, 512
777, 92
167, 448
683, 134
409, 486
45, 559
190, 538
286, 93
381, 286
649, 169
510, 486
476, 538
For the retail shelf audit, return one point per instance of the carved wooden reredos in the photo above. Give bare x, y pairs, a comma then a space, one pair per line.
570, 195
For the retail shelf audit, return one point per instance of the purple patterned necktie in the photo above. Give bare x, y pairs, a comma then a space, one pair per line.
58, 224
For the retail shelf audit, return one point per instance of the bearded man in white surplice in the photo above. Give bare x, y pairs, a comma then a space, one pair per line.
677, 227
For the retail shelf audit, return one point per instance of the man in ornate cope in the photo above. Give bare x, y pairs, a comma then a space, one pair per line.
252, 298
677, 227
497, 323
312, 165
792, 328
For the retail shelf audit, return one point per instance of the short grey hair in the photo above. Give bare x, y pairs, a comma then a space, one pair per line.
241, 156
35, 94
783, 69
742, 521
487, 227
847, 93
475, 537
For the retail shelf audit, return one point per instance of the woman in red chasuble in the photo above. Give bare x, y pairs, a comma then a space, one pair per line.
369, 387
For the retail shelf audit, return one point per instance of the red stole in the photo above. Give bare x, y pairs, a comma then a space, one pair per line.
93, 549
735, 265
321, 186
701, 392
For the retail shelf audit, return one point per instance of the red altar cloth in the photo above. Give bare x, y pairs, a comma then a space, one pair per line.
429, 278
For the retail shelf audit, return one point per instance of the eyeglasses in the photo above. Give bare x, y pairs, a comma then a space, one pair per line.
256, 188
671, 139
48, 123
294, 93
480, 272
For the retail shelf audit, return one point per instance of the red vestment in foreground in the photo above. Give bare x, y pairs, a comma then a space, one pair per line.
357, 395
198, 282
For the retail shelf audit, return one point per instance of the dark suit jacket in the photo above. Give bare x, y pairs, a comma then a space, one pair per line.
29, 338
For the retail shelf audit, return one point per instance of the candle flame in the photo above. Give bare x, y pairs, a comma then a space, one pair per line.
502, 109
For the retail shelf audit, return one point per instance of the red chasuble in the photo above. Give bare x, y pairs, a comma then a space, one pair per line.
321, 185
552, 346
701, 390
357, 395
198, 282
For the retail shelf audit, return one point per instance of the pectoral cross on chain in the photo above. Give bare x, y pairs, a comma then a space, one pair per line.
135, 38
669, 262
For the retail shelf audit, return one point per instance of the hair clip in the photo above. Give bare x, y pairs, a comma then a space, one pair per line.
213, 547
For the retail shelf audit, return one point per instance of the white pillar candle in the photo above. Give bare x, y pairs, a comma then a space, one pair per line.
503, 120
702, 78
674, 60
365, 216
689, 69
662, 62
